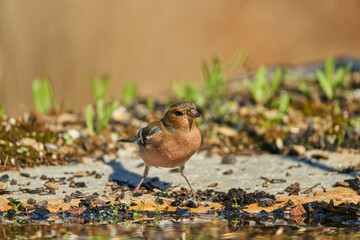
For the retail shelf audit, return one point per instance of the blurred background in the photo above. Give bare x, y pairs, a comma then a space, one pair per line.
153, 43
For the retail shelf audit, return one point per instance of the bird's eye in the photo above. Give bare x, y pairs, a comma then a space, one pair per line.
178, 113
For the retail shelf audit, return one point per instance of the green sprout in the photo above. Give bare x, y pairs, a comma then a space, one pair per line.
43, 95
129, 94
104, 110
262, 89
213, 92
2, 110
331, 79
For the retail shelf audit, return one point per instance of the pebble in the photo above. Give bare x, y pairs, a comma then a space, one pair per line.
98, 175
31, 142
3, 186
80, 185
51, 185
27, 175
4, 178
229, 159
297, 150
212, 184
228, 172
191, 204
51, 146
67, 199
13, 182
31, 201
80, 174
266, 202
42, 203
137, 194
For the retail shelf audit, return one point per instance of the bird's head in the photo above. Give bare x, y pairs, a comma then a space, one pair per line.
181, 115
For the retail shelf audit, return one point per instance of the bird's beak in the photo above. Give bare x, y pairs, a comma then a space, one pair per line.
193, 113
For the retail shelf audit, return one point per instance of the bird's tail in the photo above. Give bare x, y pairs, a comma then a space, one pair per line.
131, 140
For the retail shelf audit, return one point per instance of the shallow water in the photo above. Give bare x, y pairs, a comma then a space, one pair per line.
172, 229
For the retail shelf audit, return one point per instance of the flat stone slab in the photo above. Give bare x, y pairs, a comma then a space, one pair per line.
248, 172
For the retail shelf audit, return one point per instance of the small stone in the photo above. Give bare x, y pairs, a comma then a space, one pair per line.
80, 185
155, 179
137, 194
4, 178
227, 131
43, 177
191, 204
229, 159
42, 193
51, 185
27, 175
13, 182
98, 175
279, 143
213, 185
51, 146
31, 201
266, 202
3, 186
320, 156
297, 150
31, 142
67, 199
42, 203
228, 172
80, 174
175, 170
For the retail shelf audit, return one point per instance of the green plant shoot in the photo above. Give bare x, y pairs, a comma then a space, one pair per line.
129, 94
2, 110
330, 80
262, 89
43, 95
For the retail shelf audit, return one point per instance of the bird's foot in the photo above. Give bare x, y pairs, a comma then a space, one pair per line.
193, 194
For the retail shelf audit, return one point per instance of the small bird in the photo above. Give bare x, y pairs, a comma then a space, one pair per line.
171, 141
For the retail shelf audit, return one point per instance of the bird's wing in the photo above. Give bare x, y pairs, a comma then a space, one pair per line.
147, 132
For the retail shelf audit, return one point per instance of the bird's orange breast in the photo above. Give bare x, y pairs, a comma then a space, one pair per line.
169, 151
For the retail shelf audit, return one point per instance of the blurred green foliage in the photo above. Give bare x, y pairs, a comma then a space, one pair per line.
2, 110
129, 94
262, 88
43, 95
331, 79
104, 110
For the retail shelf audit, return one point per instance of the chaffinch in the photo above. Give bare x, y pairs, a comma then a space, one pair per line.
171, 141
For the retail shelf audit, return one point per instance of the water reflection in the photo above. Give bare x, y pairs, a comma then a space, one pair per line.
170, 229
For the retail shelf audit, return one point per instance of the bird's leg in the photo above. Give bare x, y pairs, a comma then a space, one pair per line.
146, 172
192, 191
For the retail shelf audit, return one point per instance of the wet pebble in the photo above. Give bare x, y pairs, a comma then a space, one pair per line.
67, 199
23, 174
80, 185
266, 202
77, 194
42, 203
228, 172
191, 204
31, 201
159, 201
137, 194
155, 179
4, 178
176, 203
229, 159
